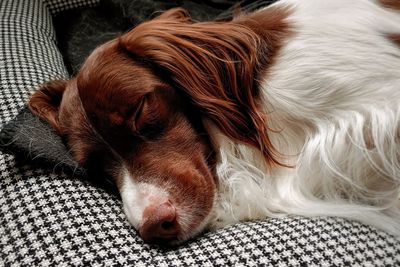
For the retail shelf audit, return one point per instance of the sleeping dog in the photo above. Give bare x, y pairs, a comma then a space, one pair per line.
292, 109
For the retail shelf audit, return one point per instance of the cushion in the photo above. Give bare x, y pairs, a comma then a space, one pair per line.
49, 217
57, 6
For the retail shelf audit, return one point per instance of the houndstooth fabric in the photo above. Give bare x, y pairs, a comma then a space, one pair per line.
49, 219
56, 6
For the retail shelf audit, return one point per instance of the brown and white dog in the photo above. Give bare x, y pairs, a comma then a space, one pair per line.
293, 109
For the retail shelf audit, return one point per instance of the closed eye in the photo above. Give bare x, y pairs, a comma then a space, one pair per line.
138, 119
153, 113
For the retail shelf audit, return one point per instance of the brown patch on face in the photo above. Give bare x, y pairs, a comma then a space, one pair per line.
74, 125
148, 127
392, 4
179, 161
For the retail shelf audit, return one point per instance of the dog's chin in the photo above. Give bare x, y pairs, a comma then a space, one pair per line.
186, 237
183, 237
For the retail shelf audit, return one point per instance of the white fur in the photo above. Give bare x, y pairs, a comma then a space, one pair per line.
136, 197
334, 92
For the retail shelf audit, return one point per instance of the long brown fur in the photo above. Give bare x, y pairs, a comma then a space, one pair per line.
216, 64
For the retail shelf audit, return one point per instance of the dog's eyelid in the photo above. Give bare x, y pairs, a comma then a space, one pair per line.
138, 111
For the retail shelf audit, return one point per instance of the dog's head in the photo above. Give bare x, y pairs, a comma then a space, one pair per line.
136, 109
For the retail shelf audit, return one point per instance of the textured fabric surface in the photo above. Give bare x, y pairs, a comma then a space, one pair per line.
49, 219
28, 55
32, 139
56, 6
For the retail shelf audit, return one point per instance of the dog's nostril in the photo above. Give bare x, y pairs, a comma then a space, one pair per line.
159, 223
167, 225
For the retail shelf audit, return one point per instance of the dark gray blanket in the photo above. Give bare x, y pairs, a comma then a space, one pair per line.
80, 31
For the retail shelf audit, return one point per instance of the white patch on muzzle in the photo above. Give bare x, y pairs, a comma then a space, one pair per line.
137, 196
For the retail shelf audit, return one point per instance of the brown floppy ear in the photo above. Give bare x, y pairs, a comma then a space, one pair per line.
45, 102
214, 63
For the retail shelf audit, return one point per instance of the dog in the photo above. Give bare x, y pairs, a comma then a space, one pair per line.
293, 109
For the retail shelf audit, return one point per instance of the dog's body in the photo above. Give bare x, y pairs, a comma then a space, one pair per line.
334, 94
294, 109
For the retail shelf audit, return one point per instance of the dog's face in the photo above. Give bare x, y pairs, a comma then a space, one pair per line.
136, 107
118, 115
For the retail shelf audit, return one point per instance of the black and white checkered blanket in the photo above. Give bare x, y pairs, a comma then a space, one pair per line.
49, 219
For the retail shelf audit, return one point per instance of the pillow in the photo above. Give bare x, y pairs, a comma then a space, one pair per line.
57, 6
